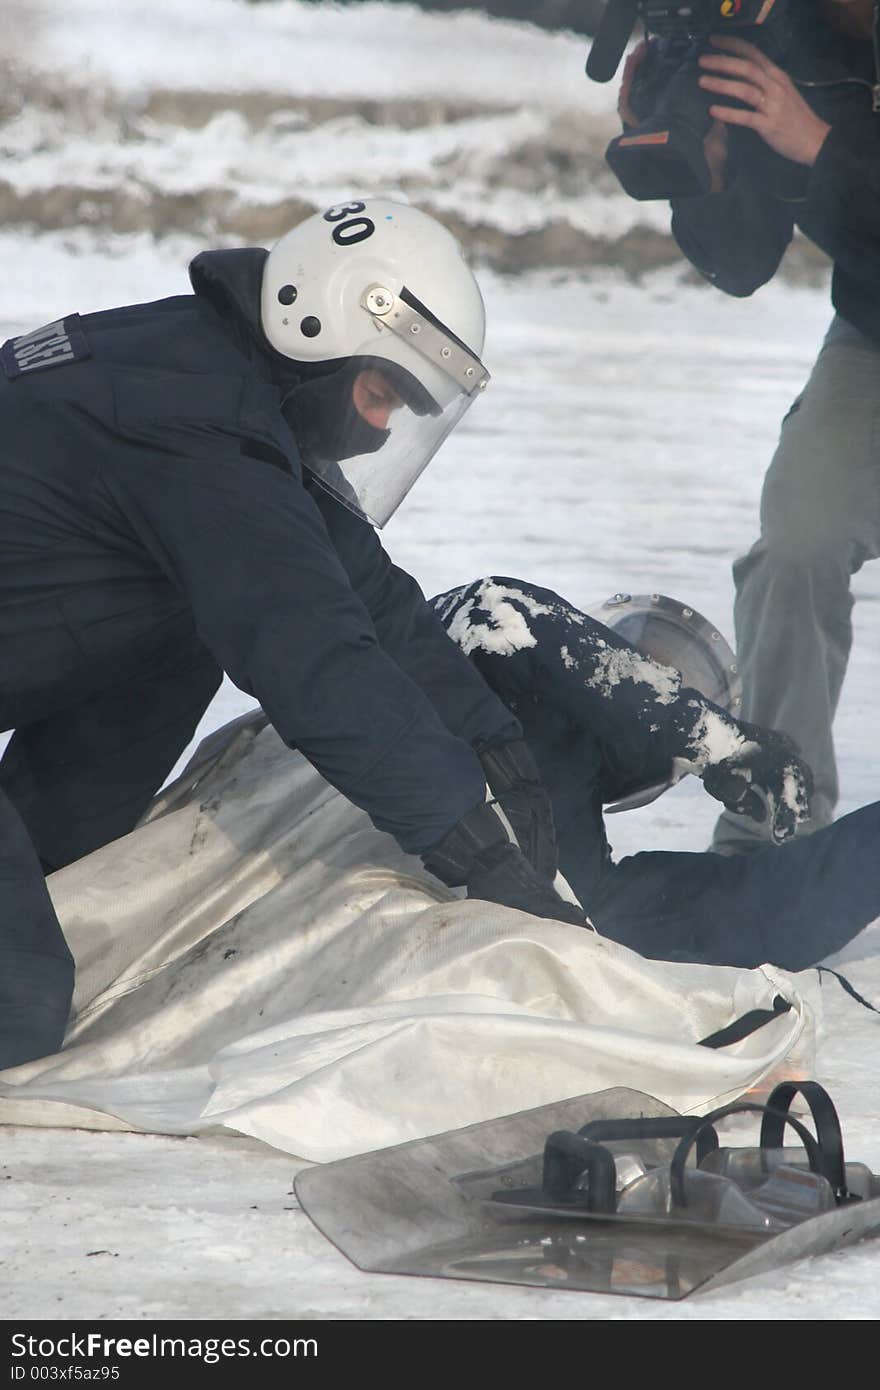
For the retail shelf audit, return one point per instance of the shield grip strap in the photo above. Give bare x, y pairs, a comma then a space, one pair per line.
827, 1165
825, 1120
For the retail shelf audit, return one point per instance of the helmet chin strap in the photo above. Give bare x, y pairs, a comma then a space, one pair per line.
325, 423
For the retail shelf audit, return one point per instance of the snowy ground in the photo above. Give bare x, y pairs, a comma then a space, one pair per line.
621, 446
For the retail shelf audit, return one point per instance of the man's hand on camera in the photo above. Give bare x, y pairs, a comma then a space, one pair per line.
478, 853
774, 108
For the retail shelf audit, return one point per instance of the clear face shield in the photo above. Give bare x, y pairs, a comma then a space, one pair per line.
371, 427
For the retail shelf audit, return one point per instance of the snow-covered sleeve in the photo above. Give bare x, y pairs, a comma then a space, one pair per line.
735, 238
246, 546
531, 644
410, 631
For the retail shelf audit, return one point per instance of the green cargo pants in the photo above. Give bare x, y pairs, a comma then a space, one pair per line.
820, 521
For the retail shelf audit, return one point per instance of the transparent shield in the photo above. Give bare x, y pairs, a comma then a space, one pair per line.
374, 484
368, 431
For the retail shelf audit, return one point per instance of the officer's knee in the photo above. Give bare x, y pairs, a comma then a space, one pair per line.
35, 995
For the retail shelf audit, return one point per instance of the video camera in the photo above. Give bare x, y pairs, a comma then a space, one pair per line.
662, 156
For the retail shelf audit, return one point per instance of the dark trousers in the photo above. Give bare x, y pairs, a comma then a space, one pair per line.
69, 784
36, 968
790, 905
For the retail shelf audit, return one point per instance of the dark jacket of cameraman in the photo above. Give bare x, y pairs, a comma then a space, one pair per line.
737, 238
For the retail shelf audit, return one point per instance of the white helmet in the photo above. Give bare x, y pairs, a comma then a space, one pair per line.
377, 285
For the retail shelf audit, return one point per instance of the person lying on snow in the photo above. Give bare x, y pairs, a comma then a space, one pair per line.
606, 722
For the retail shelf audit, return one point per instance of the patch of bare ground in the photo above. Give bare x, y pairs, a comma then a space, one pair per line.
565, 161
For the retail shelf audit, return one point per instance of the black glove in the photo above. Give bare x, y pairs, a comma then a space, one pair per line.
765, 777
478, 853
515, 781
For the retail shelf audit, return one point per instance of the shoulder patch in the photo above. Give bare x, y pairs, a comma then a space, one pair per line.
54, 345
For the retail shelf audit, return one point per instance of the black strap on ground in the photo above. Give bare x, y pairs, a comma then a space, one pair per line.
850, 989
749, 1023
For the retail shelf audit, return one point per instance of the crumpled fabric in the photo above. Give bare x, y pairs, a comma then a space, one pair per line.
255, 956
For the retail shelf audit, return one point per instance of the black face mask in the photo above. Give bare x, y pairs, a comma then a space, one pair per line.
325, 423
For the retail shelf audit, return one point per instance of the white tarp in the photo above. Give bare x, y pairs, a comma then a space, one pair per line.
258, 956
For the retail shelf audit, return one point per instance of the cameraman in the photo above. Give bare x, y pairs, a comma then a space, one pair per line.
800, 147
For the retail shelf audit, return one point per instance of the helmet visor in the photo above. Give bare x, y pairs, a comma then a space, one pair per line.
369, 428
393, 433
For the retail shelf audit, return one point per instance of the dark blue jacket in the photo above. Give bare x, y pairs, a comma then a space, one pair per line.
737, 238
150, 489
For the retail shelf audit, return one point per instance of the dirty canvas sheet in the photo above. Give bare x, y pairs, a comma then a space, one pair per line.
257, 956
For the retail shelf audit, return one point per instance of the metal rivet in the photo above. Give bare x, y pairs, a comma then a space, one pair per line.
379, 300
446, 352
716, 636
687, 612
415, 328
310, 326
287, 294
469, 371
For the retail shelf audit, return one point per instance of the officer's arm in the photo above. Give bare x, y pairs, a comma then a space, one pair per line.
735, 238
248, 549
410, 631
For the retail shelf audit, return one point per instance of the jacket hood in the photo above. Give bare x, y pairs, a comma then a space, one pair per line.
232, 282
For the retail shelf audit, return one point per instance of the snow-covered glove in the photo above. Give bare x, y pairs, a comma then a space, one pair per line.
764, 777
478, 853
515, 782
